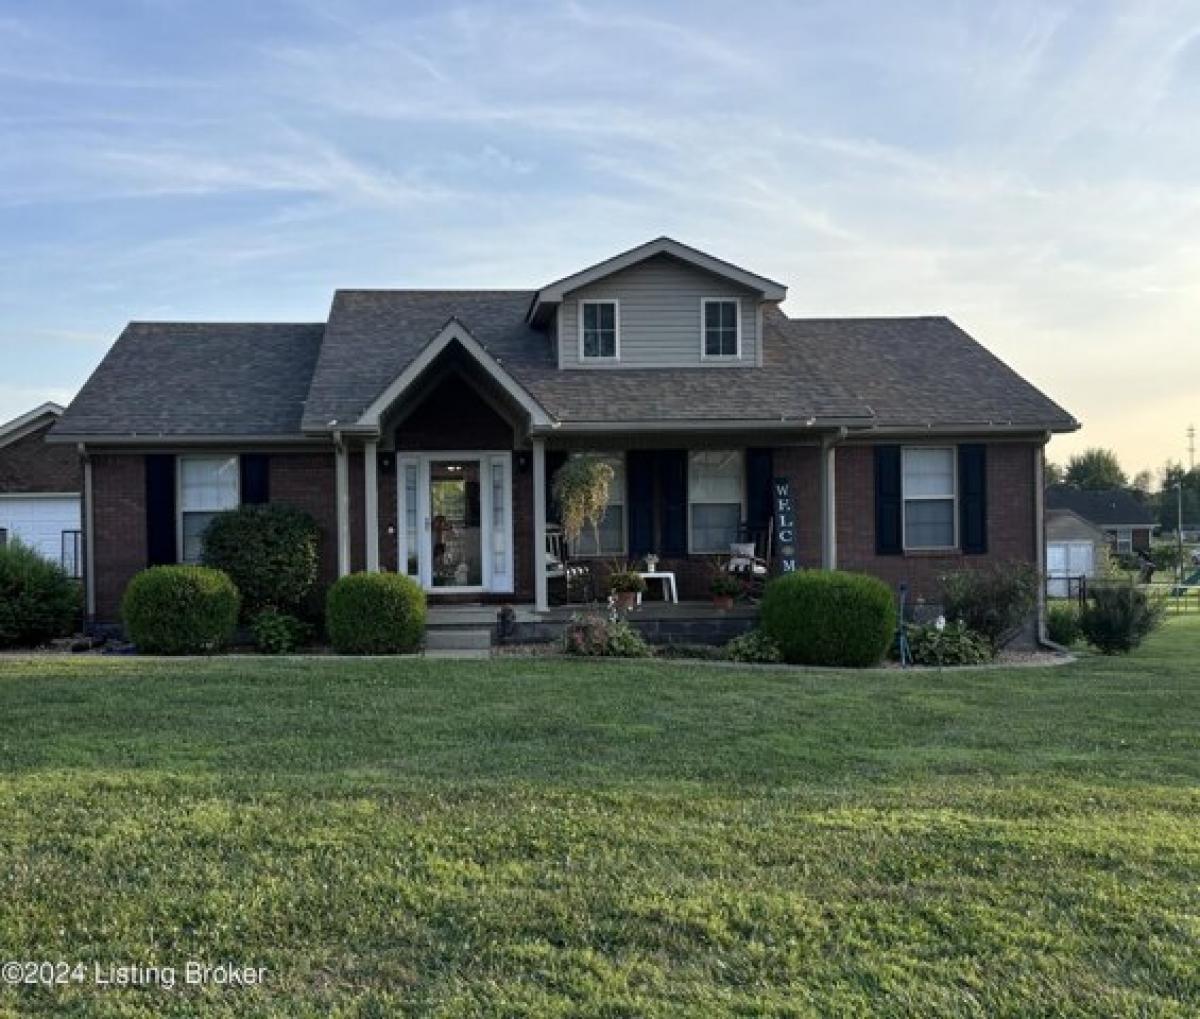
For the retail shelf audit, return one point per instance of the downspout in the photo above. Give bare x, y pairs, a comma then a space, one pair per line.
89, 545
1039, 515
828, 487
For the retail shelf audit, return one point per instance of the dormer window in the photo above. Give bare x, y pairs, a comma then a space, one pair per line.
722, 322
599, 331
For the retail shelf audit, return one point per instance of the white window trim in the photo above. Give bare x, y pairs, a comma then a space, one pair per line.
1124, 536
905, 498
737, 317
741, 454
179, 511
616, 330
615, 454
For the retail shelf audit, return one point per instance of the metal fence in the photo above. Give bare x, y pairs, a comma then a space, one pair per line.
1178, 598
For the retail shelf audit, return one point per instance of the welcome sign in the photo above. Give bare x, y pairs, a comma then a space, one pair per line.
785, 526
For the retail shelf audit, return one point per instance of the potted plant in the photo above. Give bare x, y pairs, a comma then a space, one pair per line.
724, 587
626, 585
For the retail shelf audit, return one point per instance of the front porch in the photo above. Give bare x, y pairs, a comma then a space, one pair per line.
688, 622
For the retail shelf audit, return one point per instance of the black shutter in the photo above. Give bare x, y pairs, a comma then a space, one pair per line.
555, 458
639, 483
160, 509
256, 478
672, 478
759, 473
972, 497
888, 498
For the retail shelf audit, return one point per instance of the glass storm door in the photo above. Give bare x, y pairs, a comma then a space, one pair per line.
455, 521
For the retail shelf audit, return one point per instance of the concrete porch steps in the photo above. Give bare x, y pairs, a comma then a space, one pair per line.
458, 639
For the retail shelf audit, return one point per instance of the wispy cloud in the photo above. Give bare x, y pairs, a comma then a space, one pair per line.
1027, 167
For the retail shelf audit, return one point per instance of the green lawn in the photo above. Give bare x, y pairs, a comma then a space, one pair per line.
550, 838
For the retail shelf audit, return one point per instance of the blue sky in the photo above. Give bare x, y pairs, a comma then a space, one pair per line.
1030, 169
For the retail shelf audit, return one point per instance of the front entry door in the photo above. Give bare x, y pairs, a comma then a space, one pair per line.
455, 521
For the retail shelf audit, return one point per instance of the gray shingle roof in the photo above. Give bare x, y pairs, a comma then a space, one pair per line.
918, 372
190, 379
1104, 508
198, 378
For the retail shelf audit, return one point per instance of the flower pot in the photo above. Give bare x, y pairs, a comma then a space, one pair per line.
724, 602
626, 600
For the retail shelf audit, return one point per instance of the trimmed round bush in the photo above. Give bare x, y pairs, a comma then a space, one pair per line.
375, 614
180, 610
38, 601
270, 552
826, 617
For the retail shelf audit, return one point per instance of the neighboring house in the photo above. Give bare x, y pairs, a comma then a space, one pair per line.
39, 488
1126, 521
1074, 548
422, 428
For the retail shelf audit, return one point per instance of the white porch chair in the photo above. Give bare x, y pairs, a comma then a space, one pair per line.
558, 565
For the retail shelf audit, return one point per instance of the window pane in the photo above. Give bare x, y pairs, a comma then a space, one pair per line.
714, 526
193, 535
208, 483
499, 525
928, 472
716, 476
410, 519
600, 329
929, 523
720, 328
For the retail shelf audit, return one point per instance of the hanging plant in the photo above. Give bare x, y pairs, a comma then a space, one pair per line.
581, 490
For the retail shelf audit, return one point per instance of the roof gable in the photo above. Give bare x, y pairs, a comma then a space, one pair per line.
553, 293
30, 421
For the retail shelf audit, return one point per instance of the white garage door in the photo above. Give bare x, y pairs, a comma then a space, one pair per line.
39, 521
1067, 559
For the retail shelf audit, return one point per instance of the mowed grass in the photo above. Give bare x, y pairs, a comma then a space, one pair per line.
575, 838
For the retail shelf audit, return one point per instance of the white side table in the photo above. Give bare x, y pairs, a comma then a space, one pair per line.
668, 582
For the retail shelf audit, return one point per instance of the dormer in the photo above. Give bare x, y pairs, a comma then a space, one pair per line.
659, 305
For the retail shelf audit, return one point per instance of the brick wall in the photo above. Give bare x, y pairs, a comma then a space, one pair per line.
31, 464
119, 514
307, 482
1011, 510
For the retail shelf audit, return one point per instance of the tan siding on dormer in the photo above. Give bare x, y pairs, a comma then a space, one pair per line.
660, 317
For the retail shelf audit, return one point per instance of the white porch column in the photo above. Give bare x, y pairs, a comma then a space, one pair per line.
540, 597
342, 497
828, 505
371, 486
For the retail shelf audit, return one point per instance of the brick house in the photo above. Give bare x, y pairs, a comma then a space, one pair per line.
422, 428
40, 488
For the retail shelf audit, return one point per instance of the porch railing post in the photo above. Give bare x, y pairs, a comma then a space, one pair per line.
540, 597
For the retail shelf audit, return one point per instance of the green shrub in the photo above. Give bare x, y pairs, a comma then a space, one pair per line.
1165, 556
754, 647
1117, 618
38, 601
593, 635
957, 644
825, 617
690, 652
270, 552
278, 633
375, 614
1062, 623
995, 600
180, 610
724, 585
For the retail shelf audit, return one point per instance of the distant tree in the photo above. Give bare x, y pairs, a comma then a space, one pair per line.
1167, 499
1142, 483
1096, 469
1052, 473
